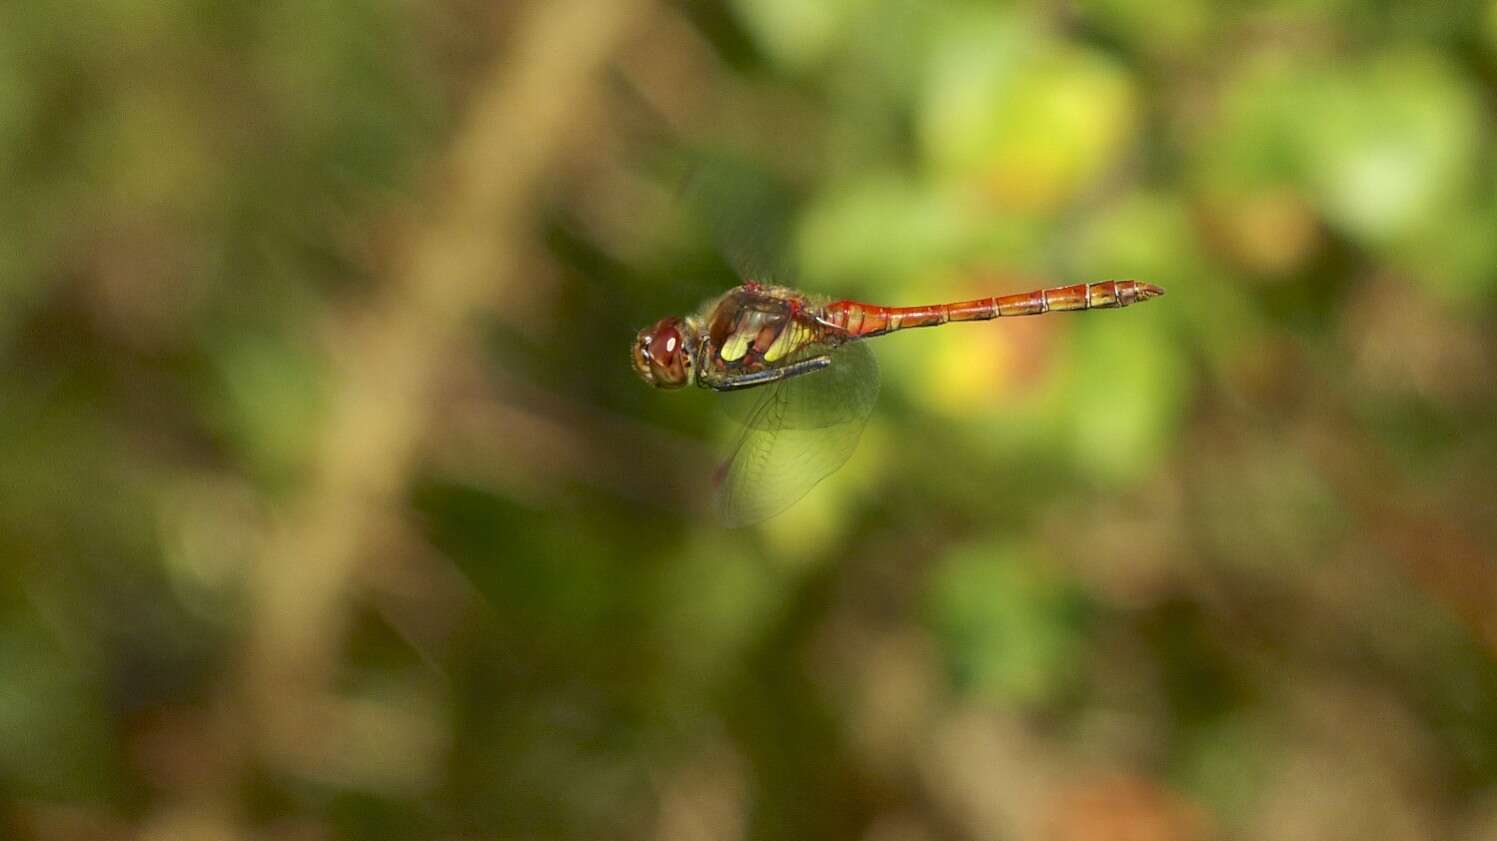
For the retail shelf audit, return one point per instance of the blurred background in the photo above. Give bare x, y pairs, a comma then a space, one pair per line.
330, 507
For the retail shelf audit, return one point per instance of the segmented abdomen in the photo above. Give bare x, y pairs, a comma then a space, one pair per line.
862, 320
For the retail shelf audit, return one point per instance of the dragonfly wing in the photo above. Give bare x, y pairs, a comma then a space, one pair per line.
747, 210
798, 432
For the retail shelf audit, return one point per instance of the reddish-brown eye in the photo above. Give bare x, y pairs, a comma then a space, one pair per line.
661, 356
666, 342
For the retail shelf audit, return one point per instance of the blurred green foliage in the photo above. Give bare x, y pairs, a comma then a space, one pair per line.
1234, 547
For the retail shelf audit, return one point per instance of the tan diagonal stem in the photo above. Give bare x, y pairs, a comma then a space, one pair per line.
457, 261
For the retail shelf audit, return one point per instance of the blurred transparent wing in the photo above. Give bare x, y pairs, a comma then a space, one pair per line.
797, 433
747, 210
841, 392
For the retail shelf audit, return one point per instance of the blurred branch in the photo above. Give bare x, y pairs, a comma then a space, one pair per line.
1414, 525
521, 118
499, 431
1438, 554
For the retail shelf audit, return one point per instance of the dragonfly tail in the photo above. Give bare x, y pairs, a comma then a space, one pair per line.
864, 320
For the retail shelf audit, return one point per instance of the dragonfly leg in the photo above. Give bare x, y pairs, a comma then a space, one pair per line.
733, 382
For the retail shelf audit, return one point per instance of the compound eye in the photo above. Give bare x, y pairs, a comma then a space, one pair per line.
667, 354
665, 345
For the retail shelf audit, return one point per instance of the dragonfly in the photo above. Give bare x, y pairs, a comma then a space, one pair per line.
798, 377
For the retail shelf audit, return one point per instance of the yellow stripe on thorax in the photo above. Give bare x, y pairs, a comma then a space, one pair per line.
790, 340
743, 335
736, 345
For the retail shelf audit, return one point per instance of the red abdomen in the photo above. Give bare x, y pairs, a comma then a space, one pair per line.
860, 320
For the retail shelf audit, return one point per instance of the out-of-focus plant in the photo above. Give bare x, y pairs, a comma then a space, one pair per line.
1217, 565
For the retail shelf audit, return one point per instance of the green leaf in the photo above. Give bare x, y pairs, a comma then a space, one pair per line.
1012, 627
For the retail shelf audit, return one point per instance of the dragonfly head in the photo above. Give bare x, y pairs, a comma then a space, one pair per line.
663, 353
